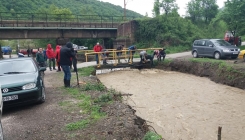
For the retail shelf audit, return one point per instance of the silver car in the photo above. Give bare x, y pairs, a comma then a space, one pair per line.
216, 48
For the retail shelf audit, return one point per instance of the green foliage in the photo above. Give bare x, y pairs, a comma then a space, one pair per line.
168, 30
202, 10
88, 105
78, 7
233, 15
86, 71
78, 125
152, 136
168, 6
92, 86
104, 98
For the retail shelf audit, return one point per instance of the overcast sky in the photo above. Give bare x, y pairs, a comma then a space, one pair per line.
143, 6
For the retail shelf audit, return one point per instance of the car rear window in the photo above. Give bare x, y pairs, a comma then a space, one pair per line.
200, 43
17, 66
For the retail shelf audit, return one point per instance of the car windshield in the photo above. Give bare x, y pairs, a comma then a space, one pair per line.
16, 67
221, 43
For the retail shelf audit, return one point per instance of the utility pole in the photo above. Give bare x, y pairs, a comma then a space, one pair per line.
124, 10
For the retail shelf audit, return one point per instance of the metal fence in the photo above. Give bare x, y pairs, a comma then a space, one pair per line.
8, 19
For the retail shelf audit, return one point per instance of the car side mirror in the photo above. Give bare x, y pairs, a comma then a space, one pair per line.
210, 45
42, 69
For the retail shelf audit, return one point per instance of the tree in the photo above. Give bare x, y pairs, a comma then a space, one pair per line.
168, 6
156, 8
202, 10
233, 14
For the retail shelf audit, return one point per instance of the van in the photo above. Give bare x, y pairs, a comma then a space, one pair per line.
215, 48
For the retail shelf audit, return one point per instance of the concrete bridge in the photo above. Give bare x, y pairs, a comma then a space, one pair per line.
42, 26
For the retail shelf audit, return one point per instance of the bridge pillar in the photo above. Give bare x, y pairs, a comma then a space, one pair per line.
126, 34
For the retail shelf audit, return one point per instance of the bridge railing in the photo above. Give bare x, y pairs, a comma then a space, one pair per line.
112, 55
8, 19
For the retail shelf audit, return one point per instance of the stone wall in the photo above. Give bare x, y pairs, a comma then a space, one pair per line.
126, 34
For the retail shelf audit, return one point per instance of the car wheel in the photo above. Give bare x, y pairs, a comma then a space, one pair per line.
1, 131
42, 100
194, 54
217, 55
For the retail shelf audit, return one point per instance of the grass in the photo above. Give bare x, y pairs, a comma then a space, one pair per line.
87, 105
152, 136
86, 71
95, 87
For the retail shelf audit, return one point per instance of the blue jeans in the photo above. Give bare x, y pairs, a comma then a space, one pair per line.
67, 72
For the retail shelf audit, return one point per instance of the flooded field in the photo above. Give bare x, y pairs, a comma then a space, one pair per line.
181, 106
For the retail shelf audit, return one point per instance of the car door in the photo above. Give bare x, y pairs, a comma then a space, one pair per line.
209, 49
201, 46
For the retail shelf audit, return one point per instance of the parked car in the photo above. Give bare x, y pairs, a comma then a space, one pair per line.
22, 81
24, 51
6, 50
76, 47
1, 111
216, 48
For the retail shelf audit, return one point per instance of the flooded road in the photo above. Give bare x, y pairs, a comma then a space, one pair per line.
181, 106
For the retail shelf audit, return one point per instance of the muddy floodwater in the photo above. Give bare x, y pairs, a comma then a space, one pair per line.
182, 106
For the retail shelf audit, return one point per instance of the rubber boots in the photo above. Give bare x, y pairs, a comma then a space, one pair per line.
67, 83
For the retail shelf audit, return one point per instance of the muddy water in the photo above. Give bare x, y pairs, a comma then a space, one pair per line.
181, 106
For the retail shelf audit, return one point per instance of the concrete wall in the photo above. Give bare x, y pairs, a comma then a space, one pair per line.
126, 34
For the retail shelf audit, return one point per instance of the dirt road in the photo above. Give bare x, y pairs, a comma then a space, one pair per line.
45, 121
182, 106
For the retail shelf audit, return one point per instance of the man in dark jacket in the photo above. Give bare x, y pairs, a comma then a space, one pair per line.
40, 58
66, 53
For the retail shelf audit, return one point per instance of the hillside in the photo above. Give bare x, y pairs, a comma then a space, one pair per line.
78, 7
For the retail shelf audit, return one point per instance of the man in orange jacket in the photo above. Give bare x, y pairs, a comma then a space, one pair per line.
97, 48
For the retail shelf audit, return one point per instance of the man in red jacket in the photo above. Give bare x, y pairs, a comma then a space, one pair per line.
51, 56
97, 48
57, 54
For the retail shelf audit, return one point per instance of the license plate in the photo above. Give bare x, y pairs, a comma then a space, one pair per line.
235, 53
10, 98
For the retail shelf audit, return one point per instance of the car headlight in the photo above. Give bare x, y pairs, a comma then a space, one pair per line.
226, 50
29, 86
238, 49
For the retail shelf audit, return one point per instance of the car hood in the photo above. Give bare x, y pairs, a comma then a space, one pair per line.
17, 79
229, 47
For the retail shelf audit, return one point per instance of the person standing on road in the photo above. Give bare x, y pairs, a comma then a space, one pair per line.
40, 58
97, 48
57, 54
51, 56
66, 53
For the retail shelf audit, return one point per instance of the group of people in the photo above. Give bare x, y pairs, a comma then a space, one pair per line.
53, 58
159, 54
64, 56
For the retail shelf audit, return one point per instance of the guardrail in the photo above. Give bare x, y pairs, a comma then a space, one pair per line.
8, 19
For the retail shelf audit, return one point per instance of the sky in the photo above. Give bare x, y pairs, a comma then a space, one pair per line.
143, 6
